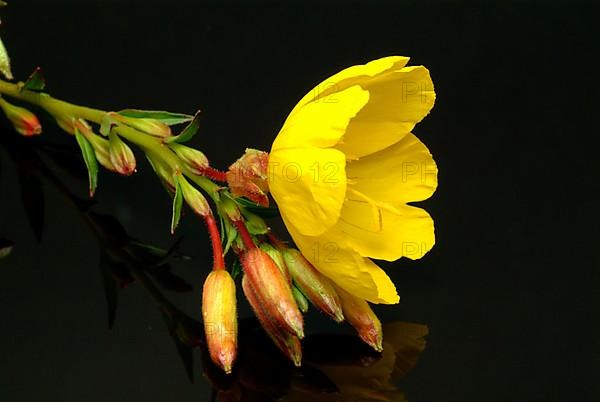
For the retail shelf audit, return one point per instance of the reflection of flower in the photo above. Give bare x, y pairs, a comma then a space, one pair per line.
344, 166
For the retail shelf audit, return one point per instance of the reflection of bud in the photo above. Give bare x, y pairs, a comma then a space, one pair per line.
195, 160
314, 285
289, 344
193, 197
273, 290
219, 312
247, 177
360, 315
277, 258
24, 122
121, 155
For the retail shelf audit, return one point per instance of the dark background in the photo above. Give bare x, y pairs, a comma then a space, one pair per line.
509, 292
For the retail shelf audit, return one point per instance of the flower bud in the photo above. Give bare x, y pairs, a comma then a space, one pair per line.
195, 160
143, 124
24, 122
101, 145
313, 284
121, 156
277, 257
360, 315
163, 171
289, 344
219, 313
248, 176
272, 290
193, 197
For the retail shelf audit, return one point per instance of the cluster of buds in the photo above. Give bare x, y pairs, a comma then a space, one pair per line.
278, 282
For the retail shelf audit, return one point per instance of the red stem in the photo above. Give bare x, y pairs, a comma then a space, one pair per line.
214, 174
246, 238
215, 237
276, 241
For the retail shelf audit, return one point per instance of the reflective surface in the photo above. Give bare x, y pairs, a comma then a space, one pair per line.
506, 299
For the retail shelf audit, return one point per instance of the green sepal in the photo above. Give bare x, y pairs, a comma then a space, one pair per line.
35, 82
167, 118
236, 269
89, 156
255, 224
177, 204
301, 300
5, 62
187, 133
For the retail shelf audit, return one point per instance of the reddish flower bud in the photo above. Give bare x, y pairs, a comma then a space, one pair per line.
248, 176
360, 315
277, 257
121, 156
314, 285
219, 312
24, 122
273, 290
195, 160
289, 344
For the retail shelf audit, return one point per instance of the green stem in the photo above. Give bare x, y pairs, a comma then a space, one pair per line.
59, 108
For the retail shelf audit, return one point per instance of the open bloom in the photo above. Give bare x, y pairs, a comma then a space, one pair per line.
344, 166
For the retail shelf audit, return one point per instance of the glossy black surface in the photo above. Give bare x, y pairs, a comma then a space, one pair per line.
509, 293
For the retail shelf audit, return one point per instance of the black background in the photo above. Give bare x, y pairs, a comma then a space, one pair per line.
509, 290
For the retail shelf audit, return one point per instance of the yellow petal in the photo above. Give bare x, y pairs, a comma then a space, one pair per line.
390, 233
327, 90
309, 186
355, 274
404, 172
398, 100
321, 124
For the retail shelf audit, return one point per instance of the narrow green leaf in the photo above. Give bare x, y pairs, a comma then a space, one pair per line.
5, 62
263, 212
236, 269
177, 204
188, 132
36, 81
167, 118
89, 156
110, 289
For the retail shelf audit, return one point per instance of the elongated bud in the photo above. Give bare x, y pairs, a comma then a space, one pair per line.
195, 160
248, 176
300, 299
273, 290
360, 315
193, 197
121, 156
230, 208
314, 285
143, 124
255, 224
100, 144
289, 344
219, 312
277, 257
24, 122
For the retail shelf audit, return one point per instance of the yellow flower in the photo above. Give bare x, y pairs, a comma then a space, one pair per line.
344, 166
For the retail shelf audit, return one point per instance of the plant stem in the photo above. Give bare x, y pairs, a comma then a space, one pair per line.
61, 109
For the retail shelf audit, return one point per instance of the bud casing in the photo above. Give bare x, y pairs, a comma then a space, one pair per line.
121, 156
195, 160
360, 315
25, 122
219, 312
272, 290
193, 197
313, 284
248, 176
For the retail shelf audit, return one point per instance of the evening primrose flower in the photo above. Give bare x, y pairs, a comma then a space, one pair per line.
344, 166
